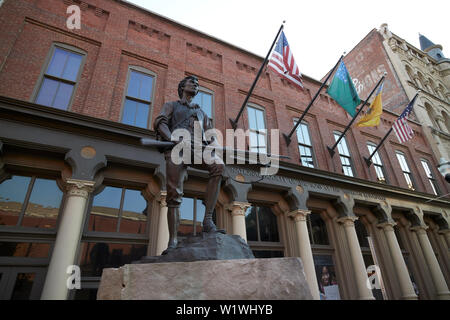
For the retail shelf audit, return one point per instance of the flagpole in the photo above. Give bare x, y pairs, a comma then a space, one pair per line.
369, 159
288, 137
235, 121
331, 150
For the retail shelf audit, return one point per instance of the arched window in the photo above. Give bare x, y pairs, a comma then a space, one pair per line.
305, 145
430, 176
410, 73
138, 98
205, 99
431, 114
258, 129
446, 120
405, 168
56, 86
376, 160
344, 154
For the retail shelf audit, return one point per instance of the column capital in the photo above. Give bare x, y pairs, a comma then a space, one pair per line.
237, 208
299, 214
419, 229
347, 220
161, 198
79, 188
444, 231
387, 226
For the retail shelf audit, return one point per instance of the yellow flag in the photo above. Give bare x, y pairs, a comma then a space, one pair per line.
372, 116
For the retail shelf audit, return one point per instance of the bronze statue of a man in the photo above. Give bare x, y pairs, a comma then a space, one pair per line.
182, 114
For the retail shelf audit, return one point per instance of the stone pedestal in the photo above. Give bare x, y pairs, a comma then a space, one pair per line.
239, 279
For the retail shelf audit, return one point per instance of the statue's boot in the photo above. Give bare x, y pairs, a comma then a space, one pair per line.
173, 221
212, 193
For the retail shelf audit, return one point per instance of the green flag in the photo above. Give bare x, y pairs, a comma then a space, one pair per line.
343, 91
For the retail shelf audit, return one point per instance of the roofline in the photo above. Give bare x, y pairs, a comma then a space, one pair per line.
204, 34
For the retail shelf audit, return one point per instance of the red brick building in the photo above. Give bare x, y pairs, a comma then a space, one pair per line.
75, 102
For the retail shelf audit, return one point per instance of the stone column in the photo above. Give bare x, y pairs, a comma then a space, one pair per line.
401, 270
304, 246
237, 210
446, 234
67, 239
432, 262
163, 229
364, 293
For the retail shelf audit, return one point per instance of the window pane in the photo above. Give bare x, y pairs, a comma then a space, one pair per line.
72, 67
426, 168
318, 230
63, 96
268, 227
252, 118
264, 254
348, 171
23, 286
24, 249
141, 115
186, 217
260, 119
140, 86
133, 85
262, 142
200, 215
129, 112
47, 92
43, 207
56, 66
134, 215
253, 139
250, 224
97, 256
362, 234
326, 277
12, 196
306, 137
105, 210
145, 90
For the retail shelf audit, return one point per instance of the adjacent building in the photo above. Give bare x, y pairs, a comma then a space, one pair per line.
78, 193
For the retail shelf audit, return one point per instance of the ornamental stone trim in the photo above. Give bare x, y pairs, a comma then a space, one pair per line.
79, 188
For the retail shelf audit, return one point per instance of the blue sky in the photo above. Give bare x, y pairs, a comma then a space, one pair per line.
318, 31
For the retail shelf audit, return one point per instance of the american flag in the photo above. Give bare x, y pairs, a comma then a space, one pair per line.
282, 62
401, 128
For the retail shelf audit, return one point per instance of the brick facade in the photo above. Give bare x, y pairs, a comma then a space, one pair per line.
117, 35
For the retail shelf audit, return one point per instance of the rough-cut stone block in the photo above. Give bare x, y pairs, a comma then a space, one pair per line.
242, 279
207, 246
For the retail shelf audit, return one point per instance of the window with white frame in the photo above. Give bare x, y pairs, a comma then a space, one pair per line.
405, 168
344, 154
430, 176
378, 165
257, 128
304, 145
58, 82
